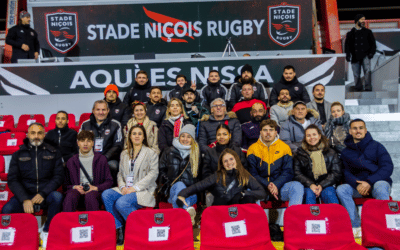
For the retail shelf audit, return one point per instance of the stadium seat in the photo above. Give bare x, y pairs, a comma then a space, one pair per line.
10, 142
52, 122
82, 118
5, 194
19, 232
6, 123
82, 231
235, 227
166, 205
325, 226
3, 174
274, 204
380, 224
159, 229
25, 120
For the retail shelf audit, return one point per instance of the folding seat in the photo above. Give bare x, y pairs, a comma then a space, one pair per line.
52, 122
82, 118
3, 174
25, 120
325, 226
380, 224
19, 232
235, 227
10, 142
166, 205
6, 123
166, 229
82, 231
5, 194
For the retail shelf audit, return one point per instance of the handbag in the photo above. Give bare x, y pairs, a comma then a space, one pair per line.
164, 189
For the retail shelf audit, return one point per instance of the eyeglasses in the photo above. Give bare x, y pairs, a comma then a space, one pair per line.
218, 106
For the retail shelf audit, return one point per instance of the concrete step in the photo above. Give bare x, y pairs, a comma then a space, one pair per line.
371, 95
385, 136
393, 147
376, 101
383, 126
367, 109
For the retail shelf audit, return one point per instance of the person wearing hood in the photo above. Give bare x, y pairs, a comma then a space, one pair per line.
280, 111
251, 129
320, 104
289, 81
300, 117
271, 163
209, 124
367, 170
156, 106
213, 90
23, 39
337, 127
181, 85
193, 109
140, 90
235, 92
119, 110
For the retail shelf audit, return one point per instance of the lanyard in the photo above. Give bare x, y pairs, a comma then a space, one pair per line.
134, 160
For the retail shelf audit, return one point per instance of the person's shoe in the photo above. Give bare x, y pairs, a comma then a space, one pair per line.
357, 232
43, 238
368, 89
192, 213
120, 236
354, 89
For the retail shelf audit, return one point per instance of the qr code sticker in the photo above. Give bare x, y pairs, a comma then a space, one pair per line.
316, 228
160, 233
83, 233
397, 222
6, 236
235, 229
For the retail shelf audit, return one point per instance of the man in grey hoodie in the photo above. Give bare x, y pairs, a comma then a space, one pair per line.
280, 111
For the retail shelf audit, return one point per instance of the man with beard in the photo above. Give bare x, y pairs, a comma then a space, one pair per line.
251, 129
235, 92
36, 172
319, 104
289, 81
193, 109
360, 47
280, 111
23, 39
243, 108
181, 85
213, 90
118, 110
140, 90
156, 106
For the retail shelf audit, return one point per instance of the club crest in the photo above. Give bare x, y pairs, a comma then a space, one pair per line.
107, 132
5, 220
83, 219
116, 111
315, 210
157, 111
284, 23
233, 212
393, 206
159, 218
2, 186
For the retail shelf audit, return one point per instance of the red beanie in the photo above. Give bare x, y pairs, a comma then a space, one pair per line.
111, 87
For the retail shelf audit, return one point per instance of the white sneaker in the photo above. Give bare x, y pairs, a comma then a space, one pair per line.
43, 238
357, 232
192, 213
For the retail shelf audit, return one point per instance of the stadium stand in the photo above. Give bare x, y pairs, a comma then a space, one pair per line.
52, 122
25, 120
82, 118
6, 123
19, 232
10, 142
5, 194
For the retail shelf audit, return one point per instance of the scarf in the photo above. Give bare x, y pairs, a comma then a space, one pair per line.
332, 123
318, 161
288, 104
177, 122
192, 151
184, 150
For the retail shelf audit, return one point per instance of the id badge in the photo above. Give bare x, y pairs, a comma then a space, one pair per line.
129, 181
98, 144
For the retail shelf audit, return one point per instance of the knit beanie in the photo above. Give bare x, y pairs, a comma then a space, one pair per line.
111, 87
246, 68
358, 17
24, 13
190, 129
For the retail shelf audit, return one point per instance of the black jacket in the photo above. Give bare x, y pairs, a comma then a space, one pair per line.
120, 111
212, 91
359, 44
296, 89
220, 192
166, 134
64, 140
19, 35
110, 131
172, 165
302, 165
35, 170
211, 157
137, 93
177, 92
235, 93
156, 112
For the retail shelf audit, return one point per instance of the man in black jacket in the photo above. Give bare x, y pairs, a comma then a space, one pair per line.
156, 106
119, 111
36, 172
23, 39
360, 47
181, 85
62, 137
213, 90
140, 90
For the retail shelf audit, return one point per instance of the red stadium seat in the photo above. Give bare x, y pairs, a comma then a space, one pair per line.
10, 142
6, 123
25, 120
5, 194
82, 118
159, 229
325, 226
52, 122
82, 231
166, 205
380, 224
3, 175
235, 227
274, 204
19, 232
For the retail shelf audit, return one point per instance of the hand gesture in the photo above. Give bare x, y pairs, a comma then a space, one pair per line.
363, 188
79, 188
273, 190
37, 199
92, 188
193, 85
25, 47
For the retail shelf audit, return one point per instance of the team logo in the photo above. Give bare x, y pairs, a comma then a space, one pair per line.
315, 210
62, 30
393, 206
2, 186
32, 34
107, 132
148, 94
159, 218
217, 91
284, 23
296, 88
83, 219
233, 212
254, 88
5, 220
157, 111
116, 111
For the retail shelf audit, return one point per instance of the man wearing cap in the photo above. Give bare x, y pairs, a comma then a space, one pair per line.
193, 109
235, 92
360, 47
23, 39
118, 110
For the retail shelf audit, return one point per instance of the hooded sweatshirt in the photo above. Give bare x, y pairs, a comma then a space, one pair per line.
138, 93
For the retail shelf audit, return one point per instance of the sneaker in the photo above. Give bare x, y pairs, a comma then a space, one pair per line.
192, 213
43, 238
357, 232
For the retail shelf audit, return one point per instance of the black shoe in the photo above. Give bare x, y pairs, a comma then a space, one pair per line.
368, 89
354, 89
120, 236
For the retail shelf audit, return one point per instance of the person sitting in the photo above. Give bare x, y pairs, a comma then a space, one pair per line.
209, 124
140, 117
136, 180
319, 104
292, 131
88, 175
213, 90
179, 167
181, 85
176, 118
156, 106
119, 110
231, 184
251, 129
317, 167
337, 127
193, 109
140, 90
280, 111
271, 163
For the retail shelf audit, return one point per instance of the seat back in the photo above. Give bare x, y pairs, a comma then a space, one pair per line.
235, 227
25, 120
159, 229
5, 194
380, 224
6, 123
19, 232
52, 122
82, 118
318, 226
82, 230
10, 142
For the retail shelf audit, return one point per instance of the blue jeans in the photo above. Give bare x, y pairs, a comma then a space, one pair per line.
328, 196
53, 202
356, 67
173, 195
292, 191
346, 193
120, 206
